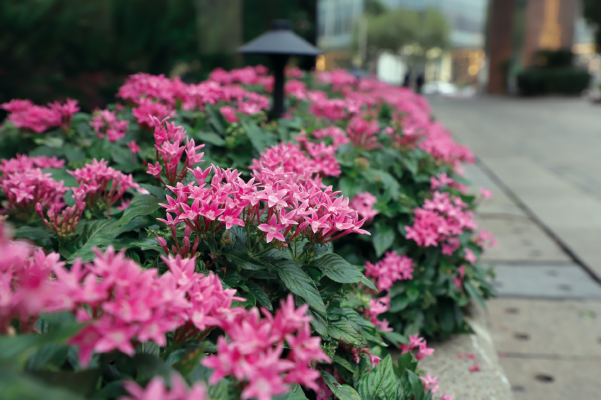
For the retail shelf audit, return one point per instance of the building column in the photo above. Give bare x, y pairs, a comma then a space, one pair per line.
500, 43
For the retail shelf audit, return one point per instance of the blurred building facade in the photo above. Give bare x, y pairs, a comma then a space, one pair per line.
337, 19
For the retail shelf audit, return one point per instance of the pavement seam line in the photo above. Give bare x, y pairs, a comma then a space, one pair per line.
520, 204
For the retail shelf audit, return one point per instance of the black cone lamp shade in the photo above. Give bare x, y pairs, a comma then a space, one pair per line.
279, 44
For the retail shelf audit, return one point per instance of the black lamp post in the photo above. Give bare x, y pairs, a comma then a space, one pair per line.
279, 44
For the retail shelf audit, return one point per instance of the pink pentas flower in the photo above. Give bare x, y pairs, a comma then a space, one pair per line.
25, 286
375, 308
229, 114
391, 268
147, 110
337, 135
24, 114
24, 190
445, 396
363, 203
470, 256
133, 146
430, 383
441, 218
296, 89
102, 183
485, 239
273, 230
487, 194
170, 149
363, 133
157, 390
63, 222
254, 353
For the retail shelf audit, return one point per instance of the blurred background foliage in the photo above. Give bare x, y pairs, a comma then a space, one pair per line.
53, 49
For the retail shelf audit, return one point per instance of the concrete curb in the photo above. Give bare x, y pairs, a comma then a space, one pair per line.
490, 383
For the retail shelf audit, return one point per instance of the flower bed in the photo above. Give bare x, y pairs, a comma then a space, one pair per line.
185, 240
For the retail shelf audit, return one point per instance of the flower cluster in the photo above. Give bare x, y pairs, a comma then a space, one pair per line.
376, 307
25, 189
364, 203
147, 110
156, 390
337, 135
63, 222
363, 133
442, 180
440, 219
22, 162
25, 290
390, 269
25, 114
285, 160
102, 184
416, 342
158, 96
289, 209
105, 123
168, 139
255, 352
338, 78
122, 303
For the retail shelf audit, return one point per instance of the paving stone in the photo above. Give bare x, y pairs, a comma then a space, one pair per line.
500, 203
550, 328
541, 379
490, 383
520, 239
557, 281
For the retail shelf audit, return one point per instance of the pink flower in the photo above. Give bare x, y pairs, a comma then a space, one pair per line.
445, 397
228, 114
273, 230
430, 383
487, 194
133, 147
363, 203
156, 390
390, 269
470, 256
106, 123
147, 109
362, 133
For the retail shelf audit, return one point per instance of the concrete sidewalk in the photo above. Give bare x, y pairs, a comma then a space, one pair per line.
541, 160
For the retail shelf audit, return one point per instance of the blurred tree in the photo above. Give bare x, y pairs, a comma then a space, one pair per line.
592, 14
375, 7
392, 30
52, 49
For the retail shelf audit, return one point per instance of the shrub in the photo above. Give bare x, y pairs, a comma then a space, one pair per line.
160, 239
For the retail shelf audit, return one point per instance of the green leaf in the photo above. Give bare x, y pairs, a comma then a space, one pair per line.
338, 269
193, 353
383, 238
342, 330
260, 295
258, 137
342, 392
210, 137
395, 338
296, 393
150, 366
239, 262
31, 232
416, 385
61, 174
74, 154
140, 205
100, 149
380, 383
474, 294
411, 164
95, 234
319, 323
299, 283
50, 142
15, 386
369, 283
345, 363
80, 382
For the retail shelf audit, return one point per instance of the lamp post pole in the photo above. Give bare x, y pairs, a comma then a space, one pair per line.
278, 62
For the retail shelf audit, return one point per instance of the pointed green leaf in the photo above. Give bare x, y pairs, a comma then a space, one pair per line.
338, 269
260, 295
299, 283
380, 383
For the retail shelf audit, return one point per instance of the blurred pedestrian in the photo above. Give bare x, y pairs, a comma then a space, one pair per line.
419, 82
